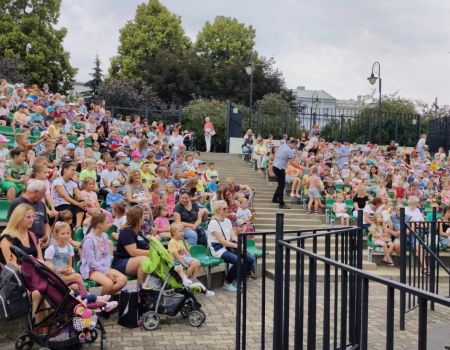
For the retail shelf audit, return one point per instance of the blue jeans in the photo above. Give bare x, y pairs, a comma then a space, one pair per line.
231, 258
190, 236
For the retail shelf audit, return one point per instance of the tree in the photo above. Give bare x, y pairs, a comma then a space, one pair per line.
27, 33
153, 31
400, 121
194, 115
11, 69
129, 94
97, 78
225, 41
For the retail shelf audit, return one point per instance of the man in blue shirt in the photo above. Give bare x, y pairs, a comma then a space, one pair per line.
285, 153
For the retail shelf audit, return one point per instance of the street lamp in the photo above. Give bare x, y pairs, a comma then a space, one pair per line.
314, 103
376, 70
249, 71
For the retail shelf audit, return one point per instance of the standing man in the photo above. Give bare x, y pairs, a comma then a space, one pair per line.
285, 153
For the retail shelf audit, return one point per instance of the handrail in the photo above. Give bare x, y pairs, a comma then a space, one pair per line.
428, 249
323, 234
391, 283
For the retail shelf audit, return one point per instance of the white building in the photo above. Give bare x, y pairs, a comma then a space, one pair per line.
319, 107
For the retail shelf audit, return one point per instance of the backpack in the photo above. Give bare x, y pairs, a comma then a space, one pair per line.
14, 300
130, 307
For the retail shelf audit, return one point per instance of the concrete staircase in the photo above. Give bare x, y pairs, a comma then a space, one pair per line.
294, 219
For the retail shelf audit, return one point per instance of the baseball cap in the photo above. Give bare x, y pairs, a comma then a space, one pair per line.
115, 183
70, 146
239, 222
125, 161
120, 154
136, 154
21, 106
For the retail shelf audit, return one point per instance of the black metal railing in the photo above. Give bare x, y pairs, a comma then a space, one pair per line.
421, 263
328, 289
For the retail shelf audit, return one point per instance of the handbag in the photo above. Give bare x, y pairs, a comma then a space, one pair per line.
201, 236
130, 307
213, 132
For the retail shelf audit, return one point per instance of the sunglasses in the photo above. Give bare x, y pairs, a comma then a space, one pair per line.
225, 208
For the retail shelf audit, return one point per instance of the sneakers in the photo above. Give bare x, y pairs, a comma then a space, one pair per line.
111, 305
230, 288
187, 282
210, 294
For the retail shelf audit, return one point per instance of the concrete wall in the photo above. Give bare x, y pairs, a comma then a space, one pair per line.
237, 142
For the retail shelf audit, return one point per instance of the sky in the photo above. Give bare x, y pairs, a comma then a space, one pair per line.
322, 44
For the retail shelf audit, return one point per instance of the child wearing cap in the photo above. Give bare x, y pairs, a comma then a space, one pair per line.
135, 160
147, 175
114, 196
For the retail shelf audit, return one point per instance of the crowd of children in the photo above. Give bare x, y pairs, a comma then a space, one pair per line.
96, 171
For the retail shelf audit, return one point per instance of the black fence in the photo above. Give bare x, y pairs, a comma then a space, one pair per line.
421, 263
341, 125
341, 322
167, 116
439, 133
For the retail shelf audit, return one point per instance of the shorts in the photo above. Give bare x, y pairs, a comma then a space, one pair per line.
407, 239
380, 241
6, 185
288, 179
314, 193
120, 265
187, 259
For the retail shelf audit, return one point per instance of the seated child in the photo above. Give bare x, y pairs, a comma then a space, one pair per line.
340, 210
119, 218
382, 237
182, 258
58, 256
245, 215
96, 257
114, 196
161, 225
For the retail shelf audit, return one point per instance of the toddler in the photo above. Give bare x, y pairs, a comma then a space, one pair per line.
161, 225
340, 210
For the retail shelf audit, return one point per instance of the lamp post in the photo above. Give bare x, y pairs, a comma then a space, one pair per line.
376, 69
314, 103
249, 70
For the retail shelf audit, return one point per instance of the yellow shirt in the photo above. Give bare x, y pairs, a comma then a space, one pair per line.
200, 186
147, 179
176, 246
20, 117
53, 132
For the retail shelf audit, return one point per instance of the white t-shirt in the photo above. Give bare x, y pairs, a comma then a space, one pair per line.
415, 215
119, 222
67, 187
222, 227
368, 210
176, 140
109, 176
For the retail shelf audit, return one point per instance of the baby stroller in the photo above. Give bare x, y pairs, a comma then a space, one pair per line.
189, 140
169, 297
69, 321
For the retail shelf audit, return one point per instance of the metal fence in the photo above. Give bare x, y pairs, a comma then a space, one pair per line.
167, 116
439, 133
343, 296
348, 125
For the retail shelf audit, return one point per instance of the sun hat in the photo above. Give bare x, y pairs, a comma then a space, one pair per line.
136, 154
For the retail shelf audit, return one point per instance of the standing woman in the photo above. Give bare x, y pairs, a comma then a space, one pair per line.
208, 128
223, 243
66, 195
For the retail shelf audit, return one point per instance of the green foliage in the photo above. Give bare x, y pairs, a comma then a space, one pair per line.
153, 31
399, 121
27, 33
130, 94
226, 41
97, 78
194, 115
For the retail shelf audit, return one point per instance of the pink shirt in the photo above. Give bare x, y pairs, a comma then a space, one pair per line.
208, 127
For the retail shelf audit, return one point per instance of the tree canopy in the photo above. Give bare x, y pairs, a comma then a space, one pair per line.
225, 41
28, 34
97, 78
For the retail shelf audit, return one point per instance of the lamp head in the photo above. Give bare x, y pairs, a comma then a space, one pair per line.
249, 69
316, 102
372, 79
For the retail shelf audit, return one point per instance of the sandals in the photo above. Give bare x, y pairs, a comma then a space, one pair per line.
388, 262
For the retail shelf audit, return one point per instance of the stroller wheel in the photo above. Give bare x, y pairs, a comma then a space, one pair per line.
195, 318
150, 320
103, 344
203, 315
94, 336
24, 342
186, 309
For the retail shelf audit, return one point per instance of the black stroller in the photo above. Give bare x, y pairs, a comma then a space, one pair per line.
68, 321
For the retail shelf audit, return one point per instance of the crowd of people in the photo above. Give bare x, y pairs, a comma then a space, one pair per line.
343, 178
68, 168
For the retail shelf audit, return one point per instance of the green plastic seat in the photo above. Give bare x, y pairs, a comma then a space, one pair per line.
88, 141
87, 283
429, 216
109, 232
338, 187
4, 207
73, 139
103, 204
207, 261
253, 250
78, 235
349, 205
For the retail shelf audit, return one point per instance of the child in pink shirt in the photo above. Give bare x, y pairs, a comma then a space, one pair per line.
161, 225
